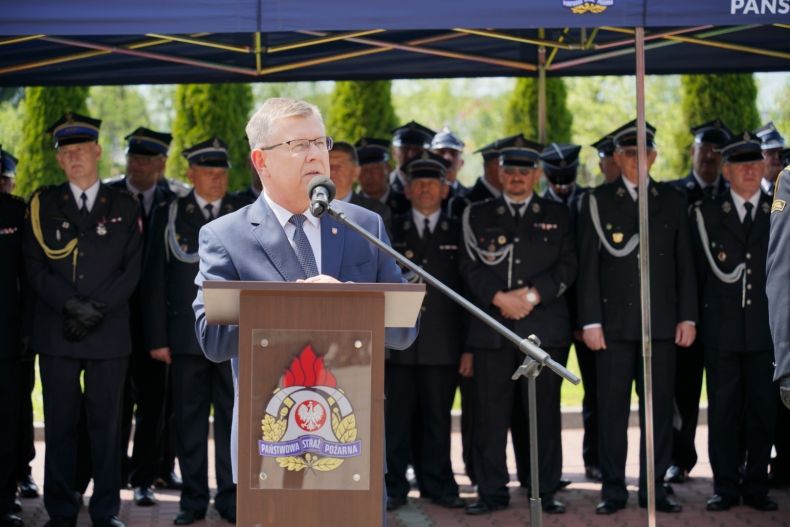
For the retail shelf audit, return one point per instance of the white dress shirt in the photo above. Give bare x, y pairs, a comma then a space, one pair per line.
90, 193
202, 204
311, 227
148, 195
740, 203
419, 220
517, 206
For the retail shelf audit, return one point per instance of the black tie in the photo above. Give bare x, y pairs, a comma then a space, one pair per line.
141, 199
84, 208
708, 191
747, 220
426, 229
210, 209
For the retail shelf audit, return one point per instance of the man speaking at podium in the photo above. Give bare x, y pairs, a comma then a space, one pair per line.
277, 239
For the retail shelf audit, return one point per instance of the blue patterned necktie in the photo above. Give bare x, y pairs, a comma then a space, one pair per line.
304, 253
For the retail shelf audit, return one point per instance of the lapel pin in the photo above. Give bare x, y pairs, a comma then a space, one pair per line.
617, 237
334, 230
726, 207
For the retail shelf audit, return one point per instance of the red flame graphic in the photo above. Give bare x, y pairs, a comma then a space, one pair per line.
308, 370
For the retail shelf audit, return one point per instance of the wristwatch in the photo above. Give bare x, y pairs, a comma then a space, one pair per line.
531, 297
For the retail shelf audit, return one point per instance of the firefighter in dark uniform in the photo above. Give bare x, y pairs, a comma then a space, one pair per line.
408, 141
488, 185
82, 247
421, 380
731, 232
704, 180
451, 148
610, 314
170, 266
12, 221
518, 262
344, 171
26, 449
560, 163
771, 142
146, 386
778, 285
373, 157
606, 164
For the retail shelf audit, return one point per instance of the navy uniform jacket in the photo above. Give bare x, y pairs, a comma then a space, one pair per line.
12, 223
250, 244
107, 269
609, 287
168, 283
694, 192
726, 323
442, 321
778, 271
374, 205
544, 257
397, 202
478, 192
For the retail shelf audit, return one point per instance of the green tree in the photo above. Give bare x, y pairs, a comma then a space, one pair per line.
731, 97
42, 107
361, 109
522, 110
204, 110
122, 109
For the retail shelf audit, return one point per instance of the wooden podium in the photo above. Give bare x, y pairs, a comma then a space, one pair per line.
311, 396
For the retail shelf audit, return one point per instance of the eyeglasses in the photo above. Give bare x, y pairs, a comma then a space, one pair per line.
524, 171
300, 146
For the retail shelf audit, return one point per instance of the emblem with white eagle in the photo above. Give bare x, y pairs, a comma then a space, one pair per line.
309, 421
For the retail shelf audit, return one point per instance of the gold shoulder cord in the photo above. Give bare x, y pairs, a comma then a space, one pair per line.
52, 254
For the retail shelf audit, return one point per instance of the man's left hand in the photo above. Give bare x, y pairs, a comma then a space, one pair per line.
685, 334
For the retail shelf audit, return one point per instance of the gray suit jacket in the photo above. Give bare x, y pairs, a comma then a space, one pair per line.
250, 244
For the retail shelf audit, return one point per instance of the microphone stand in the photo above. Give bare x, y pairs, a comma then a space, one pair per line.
534, 361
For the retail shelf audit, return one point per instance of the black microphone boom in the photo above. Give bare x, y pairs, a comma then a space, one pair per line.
321, 191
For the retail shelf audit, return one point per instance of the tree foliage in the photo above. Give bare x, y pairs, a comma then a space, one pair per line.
204, 110
730, 97
122, 109
522, 110
41, 107
361, 109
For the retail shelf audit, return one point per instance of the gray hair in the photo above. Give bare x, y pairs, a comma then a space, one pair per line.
261, 123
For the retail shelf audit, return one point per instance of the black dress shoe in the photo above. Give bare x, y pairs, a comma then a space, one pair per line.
563, 483
449, 502
483, 507
112, 521
187, 517
666, 504
229, 514
760, 502
717, 503
676, 474
28, 487
144, 497
394, 503
11, 520
593, 473
17, 506
551, 505
609, 507
169, 481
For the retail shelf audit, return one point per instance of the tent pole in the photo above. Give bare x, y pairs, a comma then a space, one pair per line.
542, 89
644, 275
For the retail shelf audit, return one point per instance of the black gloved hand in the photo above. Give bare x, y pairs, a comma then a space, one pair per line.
784, 390
73, 330
86, 311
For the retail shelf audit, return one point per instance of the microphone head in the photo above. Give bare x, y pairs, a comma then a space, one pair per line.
322, 181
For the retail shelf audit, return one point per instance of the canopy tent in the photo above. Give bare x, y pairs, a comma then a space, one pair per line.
90, 42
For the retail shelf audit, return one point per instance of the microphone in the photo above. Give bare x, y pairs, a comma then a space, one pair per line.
321, 191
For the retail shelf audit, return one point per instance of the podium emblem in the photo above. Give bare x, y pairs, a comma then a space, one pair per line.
309, 422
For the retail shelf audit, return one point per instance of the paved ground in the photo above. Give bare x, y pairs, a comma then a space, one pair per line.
580, 497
